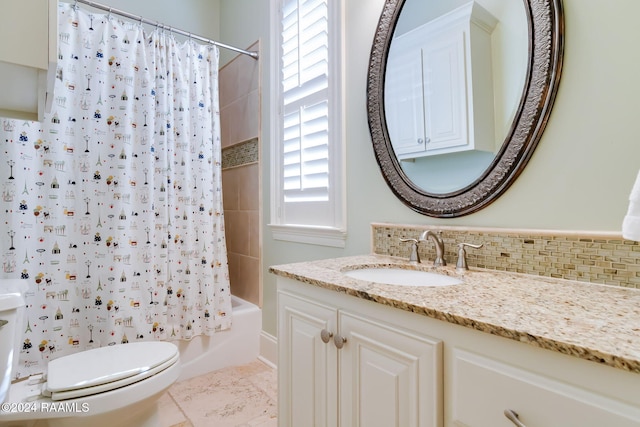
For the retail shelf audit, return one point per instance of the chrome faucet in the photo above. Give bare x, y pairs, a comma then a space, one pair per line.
436, 236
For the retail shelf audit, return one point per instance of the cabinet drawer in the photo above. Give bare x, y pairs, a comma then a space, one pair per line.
482, 389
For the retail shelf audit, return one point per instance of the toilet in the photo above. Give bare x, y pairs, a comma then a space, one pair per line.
106, 386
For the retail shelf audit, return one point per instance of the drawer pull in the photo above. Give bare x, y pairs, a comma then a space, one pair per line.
339, 341
513, 417
325, 336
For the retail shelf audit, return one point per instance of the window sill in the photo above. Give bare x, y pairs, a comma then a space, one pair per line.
322, 236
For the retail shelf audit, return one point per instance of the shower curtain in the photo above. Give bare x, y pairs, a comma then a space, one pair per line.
112, 207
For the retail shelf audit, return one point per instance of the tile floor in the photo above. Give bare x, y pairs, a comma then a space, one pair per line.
238, 396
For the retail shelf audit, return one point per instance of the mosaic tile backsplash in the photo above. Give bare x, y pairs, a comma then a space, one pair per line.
597, 258
240, 154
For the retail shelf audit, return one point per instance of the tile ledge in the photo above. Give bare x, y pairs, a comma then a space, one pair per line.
528, 231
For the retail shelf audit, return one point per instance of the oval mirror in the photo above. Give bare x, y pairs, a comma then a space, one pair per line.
458, 95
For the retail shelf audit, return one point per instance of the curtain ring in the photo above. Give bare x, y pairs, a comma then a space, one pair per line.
109, 15
75, 5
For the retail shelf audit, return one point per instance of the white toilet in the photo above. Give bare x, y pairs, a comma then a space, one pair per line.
107, 386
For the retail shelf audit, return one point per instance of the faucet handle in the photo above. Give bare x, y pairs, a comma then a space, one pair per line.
414, 256
461, 265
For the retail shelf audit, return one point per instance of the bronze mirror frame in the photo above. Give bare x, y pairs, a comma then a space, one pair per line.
546, 44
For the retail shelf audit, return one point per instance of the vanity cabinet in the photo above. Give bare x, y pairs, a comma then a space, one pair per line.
340, 365
28, 58
398, 368
484, 388
439, 85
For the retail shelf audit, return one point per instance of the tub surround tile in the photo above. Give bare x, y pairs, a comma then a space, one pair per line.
240, 99
248, 188
242, 224
240, 132
254, 234
244, 153
567, 316
237, 225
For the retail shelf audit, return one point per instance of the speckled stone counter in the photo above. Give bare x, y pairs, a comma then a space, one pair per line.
593, 322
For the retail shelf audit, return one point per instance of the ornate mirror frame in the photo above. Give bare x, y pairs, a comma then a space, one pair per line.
546, 43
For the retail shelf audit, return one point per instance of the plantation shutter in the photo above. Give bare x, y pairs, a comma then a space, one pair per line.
305, 112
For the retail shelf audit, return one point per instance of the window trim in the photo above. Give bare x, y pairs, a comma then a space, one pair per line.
335, 235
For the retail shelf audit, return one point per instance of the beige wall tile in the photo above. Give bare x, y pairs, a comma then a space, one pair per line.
249, 280
240, 116
254, 234
240, 119
240, 100
244, 277
230, 190
234, 273
240, 76
249, 187
237, 231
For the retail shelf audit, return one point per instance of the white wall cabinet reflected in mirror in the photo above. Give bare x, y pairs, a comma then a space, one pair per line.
456, 113
28, 58
439, 85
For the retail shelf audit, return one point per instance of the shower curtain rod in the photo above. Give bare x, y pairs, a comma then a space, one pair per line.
157, 24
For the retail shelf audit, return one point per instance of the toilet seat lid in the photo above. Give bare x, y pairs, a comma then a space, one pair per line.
107, 364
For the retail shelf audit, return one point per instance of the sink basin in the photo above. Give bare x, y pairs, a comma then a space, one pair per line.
402, 277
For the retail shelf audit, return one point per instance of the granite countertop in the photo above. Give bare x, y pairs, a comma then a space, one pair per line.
594, 322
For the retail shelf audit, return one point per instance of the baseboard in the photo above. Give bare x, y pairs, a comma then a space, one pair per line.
268, 349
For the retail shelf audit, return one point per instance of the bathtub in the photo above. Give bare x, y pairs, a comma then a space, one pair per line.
236, 346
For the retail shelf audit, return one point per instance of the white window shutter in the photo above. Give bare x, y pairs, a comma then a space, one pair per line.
309, 153
305, 82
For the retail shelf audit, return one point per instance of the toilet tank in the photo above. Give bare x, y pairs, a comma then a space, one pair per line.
11, 321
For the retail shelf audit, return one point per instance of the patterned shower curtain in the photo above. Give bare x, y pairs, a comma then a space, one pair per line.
112, 207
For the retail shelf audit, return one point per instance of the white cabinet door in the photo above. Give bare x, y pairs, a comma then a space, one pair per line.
404, 107
445, 97
432, 74
388, 376
28, 56
426, 94
483, 389
383, 375
307, 366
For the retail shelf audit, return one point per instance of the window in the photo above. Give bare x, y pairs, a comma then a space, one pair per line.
307, 175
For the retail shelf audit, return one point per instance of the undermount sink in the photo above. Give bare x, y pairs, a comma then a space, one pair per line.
402, 277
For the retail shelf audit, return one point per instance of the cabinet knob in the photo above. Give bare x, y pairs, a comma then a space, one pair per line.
339, 341
420, 141
513, 417
325, 336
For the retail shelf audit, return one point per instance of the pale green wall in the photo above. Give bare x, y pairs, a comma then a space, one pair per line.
199, 17
578, 179
237, 17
